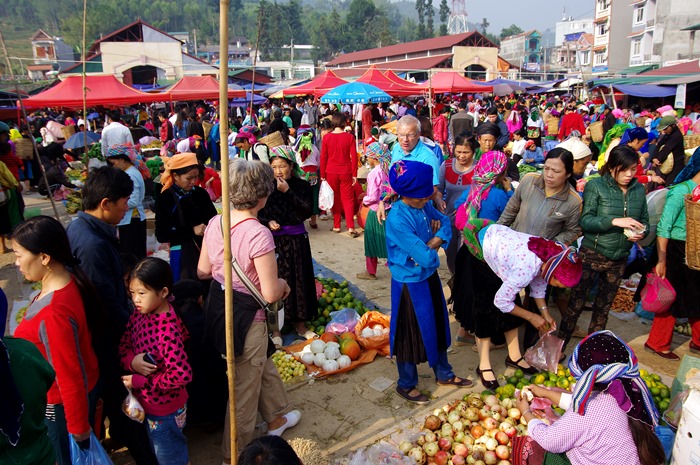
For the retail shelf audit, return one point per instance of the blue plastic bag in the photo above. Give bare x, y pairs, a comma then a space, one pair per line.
95, 455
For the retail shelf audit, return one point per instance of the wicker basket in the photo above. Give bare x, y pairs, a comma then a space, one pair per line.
68, 131
596, 130
274, 139
207, 129
691, 141
692, 233
25, 148
553, 125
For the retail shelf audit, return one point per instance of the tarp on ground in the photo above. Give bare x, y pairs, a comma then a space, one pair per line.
318, 86
197, 88
378, 79
451, 82
646, 90
101, 90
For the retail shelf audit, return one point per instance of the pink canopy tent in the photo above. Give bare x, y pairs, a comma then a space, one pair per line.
101, 90
393, 77
318, 86
396, 89
451, 82
197, 88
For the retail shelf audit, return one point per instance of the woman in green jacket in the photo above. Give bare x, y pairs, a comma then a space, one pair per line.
614, 216
670, 246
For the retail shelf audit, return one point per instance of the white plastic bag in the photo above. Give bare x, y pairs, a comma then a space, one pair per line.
325, 196
132, 408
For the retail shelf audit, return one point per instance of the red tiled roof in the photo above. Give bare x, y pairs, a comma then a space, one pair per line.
139, 22
424, 45
691, 67
40, 35
414, 64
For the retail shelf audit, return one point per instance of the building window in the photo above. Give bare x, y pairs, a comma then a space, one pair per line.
585, 58
602, 29
603, 5
636, 47
639, 15
599, 58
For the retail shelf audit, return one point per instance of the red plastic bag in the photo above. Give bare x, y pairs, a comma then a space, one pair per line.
658, 295
544, 355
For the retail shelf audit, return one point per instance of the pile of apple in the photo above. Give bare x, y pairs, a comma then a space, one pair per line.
475, 430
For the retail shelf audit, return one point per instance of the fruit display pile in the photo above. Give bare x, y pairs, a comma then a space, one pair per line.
335, 296
74, 203
95, 151
332, 353
683, 329
287, 366
477, 430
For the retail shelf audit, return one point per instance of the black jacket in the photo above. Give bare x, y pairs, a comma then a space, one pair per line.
670, 145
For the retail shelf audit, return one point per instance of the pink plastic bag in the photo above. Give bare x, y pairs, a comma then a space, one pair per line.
544, 355
658, 294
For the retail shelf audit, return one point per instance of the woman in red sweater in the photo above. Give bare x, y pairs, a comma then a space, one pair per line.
59, 325
339, 169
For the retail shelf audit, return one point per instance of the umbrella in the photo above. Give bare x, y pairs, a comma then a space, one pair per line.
77, 140
93, 116
356, 92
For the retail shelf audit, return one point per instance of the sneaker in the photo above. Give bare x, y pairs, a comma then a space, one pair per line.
292, 417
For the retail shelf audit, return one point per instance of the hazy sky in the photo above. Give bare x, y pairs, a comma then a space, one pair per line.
528, 14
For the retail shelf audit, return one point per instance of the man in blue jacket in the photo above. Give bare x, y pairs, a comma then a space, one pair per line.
492, 117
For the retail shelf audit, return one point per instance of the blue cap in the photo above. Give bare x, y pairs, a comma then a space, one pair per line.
411, 179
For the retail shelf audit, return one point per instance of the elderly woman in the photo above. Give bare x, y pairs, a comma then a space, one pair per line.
258, 384
670, 247
339, 168
670, 144
132, 228
182, 212
609, 417
289, 205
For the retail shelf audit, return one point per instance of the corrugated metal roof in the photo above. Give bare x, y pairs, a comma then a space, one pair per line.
415, 64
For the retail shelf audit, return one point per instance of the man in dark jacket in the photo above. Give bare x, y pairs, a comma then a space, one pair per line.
93, 241
608, 118
296, 113
492, 117
670, 144
461, 123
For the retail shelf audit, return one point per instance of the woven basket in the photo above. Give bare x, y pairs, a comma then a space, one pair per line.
273, 140
553, 125
692, 233
691, 141
68, 131
596, 130
25, 149
207, 129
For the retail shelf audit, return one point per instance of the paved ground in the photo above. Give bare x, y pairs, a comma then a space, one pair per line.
343, 413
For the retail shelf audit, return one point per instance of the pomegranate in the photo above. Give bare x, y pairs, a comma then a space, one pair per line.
421, 440
491, 400
477, 431
502, 438
502, 452
447, 430
490, 423
418, 455
471, 414
457, 460
491, 444
453, 417
490, 457
508, 428
478, 452
458, 426
445, 444
514, 413
484, 413
460, 449
504, 462
431, 448
468, 439
441, 457
405, 447
430, 437
459, 436
431, 423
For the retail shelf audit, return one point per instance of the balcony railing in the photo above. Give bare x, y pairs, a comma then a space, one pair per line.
651, 23
600, 40
637, 60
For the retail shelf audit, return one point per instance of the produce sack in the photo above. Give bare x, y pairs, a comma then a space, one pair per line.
95, 455
378, 342
658, 294
132, 408
544, 355
325, 196
343, 321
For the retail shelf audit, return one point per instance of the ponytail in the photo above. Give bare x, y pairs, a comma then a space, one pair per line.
651, 452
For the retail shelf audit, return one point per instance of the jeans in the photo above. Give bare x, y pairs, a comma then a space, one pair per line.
169, 443
408, 372
58, 429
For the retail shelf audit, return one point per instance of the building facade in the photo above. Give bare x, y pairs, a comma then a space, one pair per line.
50, 54
612, 27
523, 50
671, 44
568, 26
642, 35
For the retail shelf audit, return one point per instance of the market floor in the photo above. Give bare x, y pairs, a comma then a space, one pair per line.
346, 412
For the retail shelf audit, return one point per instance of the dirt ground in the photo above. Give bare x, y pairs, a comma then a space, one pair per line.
344, 413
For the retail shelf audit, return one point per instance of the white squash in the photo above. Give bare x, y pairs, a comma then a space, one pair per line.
317, 346
330, 365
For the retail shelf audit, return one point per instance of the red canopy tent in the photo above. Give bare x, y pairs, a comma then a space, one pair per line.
197, 88
451, 82
318, 86
376, 78
393, 77
101, 90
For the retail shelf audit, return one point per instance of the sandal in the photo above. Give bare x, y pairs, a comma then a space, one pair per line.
353, 233
420, 399
491, 385
579, 333
335, 230
517, 366
463, 382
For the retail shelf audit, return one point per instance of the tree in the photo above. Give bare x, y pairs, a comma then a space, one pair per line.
429, 16
420, 8
484, 25
510, 31
360, 18
444, 17
407, 32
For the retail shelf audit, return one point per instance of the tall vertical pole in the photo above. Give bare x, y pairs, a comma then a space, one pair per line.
226, 220
82, 59
255, 60
9, 64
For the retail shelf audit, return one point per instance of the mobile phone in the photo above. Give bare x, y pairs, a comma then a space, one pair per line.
149, 358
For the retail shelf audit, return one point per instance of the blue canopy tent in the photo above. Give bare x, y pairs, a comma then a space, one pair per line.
646, 90
244, 102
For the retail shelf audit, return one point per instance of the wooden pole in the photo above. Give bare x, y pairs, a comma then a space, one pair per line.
7, 57
82, 58
226, 220
255, 62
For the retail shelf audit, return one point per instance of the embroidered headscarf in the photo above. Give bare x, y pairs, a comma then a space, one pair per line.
134, 156
181, 160
691, 168
602, 358
287, 152
487, 169
558, 260
380, 152
304, 144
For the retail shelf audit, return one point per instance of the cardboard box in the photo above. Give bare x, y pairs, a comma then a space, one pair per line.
686, 449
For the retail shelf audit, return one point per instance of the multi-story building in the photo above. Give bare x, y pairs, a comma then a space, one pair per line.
524, 50
612, 26
642, 35
50, 54
568, 26
672, 31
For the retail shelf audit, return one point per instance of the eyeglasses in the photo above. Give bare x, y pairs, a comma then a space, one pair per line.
407, 136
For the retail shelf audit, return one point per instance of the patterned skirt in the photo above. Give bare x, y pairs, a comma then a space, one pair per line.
375, 236
295, 266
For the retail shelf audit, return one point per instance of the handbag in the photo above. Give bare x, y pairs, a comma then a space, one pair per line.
658, 295
274, 312
667, 166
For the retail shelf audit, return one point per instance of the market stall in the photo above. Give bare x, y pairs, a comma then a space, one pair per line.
317, 87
